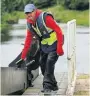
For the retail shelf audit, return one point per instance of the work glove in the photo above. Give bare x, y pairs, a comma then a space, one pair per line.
60, 51
19, 63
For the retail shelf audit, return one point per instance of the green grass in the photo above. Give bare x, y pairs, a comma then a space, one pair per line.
83, 76
10, 18
63, 15
60, 13
19, 14
84, 93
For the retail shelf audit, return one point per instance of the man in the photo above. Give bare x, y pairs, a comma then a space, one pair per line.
43, 25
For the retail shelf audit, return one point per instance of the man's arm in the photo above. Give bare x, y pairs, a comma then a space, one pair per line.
50, 22
27, 44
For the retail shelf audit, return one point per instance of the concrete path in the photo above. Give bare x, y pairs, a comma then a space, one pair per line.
62, 80
82, 86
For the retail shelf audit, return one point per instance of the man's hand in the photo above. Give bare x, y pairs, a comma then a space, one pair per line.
19, 63
60, 51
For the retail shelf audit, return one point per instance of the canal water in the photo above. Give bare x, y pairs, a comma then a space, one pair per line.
11, 48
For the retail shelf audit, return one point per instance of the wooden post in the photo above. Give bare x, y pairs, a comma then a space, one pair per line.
71, 56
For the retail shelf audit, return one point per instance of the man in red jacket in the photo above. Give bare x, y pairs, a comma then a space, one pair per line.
43, 25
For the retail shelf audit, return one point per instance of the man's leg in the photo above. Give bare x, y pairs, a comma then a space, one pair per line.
29, 74
43, 59
29, 77
49, 81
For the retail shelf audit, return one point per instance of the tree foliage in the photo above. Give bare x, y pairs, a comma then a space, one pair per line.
77, 4
11, 5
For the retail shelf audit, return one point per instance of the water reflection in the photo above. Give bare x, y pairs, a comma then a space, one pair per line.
17, 32
19, 26
5, 37
11, 43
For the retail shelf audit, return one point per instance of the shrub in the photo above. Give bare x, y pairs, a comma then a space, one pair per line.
77, 4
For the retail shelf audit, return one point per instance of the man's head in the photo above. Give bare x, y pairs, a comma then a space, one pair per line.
30, 10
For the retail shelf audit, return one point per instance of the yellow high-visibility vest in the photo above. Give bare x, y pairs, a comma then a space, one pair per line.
42, 30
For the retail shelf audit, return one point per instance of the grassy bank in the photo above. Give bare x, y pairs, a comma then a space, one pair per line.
63, 15
60, 13
13, 17
8, 19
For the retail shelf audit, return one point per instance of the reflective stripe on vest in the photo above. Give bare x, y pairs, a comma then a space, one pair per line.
37, 31
41, 26
51, 40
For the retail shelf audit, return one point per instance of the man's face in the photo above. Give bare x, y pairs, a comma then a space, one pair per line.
31, 15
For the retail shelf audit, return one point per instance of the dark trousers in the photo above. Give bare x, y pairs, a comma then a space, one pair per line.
47, 64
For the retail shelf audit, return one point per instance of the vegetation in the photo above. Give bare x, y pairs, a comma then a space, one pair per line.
83, 76
62, 14
11, 10
77, 4
12, 5
84, 93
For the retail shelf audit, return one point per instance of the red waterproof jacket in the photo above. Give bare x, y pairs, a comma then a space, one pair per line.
50, 22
